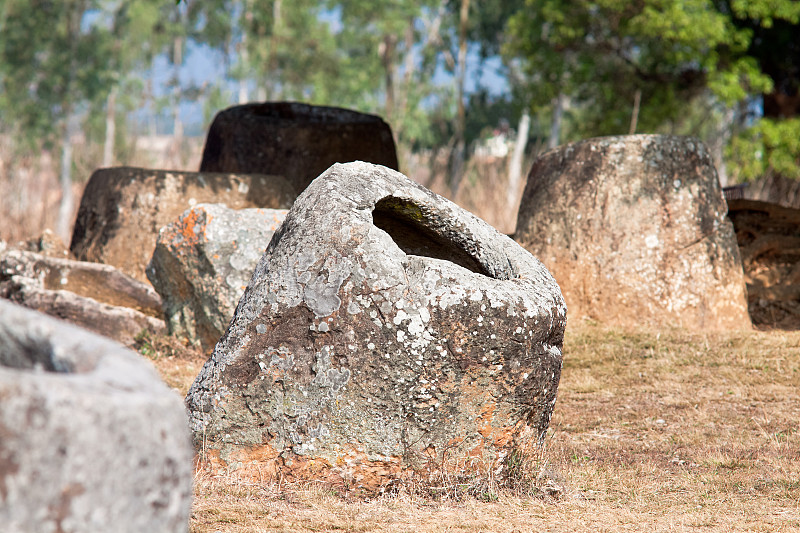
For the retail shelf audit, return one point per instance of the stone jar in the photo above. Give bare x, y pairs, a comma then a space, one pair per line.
386, 334
297, 141
202, 263
634, 230
90, 438
123, 208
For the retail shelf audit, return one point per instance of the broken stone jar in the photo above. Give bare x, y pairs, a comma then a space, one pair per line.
386, 334
202, 263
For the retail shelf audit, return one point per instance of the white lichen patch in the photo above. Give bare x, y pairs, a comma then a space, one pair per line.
399, 317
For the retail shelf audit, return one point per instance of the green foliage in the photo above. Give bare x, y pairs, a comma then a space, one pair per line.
389, 55
768, 145
62, 57
601, 53
767, 11
738, 81
41, 78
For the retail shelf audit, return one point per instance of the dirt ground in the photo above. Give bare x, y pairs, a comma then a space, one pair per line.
653, 431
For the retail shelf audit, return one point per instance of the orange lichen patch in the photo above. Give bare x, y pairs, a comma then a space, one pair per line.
455, 442
504, 437
260, 463
257, 454
496, 438
188, 228
477, 451
349, 468
209, 461
480, 447
485, 419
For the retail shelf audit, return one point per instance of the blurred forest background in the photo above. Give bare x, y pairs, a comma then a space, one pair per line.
473, 90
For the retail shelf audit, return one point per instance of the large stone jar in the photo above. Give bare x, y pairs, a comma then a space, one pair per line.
634, 230
386, 333
294, 140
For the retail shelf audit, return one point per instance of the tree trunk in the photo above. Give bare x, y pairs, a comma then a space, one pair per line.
242, 99
408, 68
244, 56
517, 157
111, 126
64, 222
270, 89
243, 80
637, 100
555, 125
387, 52
719, 144
3, 15
177, 124
177, 60
463, 20
152, 124
457, 167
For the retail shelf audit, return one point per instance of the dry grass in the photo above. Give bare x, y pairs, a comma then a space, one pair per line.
653, 431
177, 361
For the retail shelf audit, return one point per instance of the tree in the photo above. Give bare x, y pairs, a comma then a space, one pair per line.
771, 144
45, 84
603, 52
136, 37
390, 47
281, 48
664, 56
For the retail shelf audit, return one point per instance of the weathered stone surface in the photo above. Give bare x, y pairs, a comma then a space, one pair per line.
769, 241
634, 230
202, 264
94, 296
90, 439
385, 333
298, 141
122, 209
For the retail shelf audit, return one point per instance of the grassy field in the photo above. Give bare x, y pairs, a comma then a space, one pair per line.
653, 431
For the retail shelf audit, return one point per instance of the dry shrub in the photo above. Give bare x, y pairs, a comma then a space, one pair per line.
483, 190
30, 192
